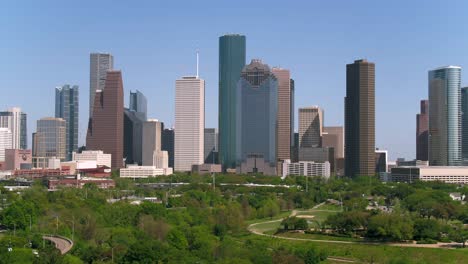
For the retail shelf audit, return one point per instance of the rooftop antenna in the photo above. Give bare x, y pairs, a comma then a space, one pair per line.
197, 63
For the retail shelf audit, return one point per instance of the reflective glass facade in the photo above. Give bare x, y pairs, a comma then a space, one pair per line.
231, 61
464, 96
445, 127
50, 138
67, 107
257, 109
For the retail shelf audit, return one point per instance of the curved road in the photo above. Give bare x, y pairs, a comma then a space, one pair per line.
61, 243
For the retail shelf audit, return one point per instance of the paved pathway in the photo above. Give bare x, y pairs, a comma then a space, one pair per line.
61, 243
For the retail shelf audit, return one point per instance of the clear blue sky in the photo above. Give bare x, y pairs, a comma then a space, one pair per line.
47, 43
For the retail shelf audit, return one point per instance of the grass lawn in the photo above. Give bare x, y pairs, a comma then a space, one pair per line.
379, 253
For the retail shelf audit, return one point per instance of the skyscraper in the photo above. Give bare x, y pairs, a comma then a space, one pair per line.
291, 104
138, 104
464, 110
5, 142
189, 122
422, 132
67, 107
284, 113
100, 63
105, 130
15, 120
257, 113
133, 132
211, 146
231, 62
360, 119
152, 132
445, 134
50, 139
167, 144
333, 137
134, 117
24, 131
310, 127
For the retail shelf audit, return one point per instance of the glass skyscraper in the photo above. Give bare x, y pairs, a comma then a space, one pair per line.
67, 107
139, 104
445, 127
231, 62
464, 99
50, 139
257, 110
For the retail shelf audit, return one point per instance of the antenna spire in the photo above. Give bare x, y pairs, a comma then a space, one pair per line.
197, 63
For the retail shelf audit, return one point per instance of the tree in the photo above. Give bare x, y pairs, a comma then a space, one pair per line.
459, 234
177, 239
426, 229
393, 226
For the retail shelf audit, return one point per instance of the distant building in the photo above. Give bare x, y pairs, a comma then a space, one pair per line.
99, 64
464, 111
360, 119
257, 108
133, 136
445, 126
15, 120
284, 139
189, 122
167, 144
447, 174
5, 142
232, 54
381, 161
306, 168
422, 132
50, 138
77, 182
211, 146
67, 108
106, 128
333, 137
139, 104
310, 127
16, 159
97, 156
152, 132
256, 164
161, 159
133, 171
206, 169
406, 163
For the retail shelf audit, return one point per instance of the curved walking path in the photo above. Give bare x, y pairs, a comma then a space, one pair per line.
61, 243
253, 230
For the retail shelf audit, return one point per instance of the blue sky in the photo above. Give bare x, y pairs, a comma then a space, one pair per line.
47, 43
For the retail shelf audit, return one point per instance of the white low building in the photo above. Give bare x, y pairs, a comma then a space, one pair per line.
134, 171
98, 156
448, 174
306, 168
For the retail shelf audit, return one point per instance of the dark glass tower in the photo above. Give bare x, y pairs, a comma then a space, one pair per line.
464, 100
231, 62
24, 131
138, 103
67, 107
167, 144
360, 119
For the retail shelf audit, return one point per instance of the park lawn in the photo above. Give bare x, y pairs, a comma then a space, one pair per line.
378, 253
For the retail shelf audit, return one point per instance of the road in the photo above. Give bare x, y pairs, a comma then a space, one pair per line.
61, 243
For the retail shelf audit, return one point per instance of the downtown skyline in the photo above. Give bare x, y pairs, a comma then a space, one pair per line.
317, 68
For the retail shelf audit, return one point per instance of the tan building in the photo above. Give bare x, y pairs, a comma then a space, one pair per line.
284, 113
50, 138
151, 143
333, 137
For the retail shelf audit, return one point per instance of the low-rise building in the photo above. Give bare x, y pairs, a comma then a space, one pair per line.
99, 156
206, 168
306, 168
447, 174
134, 171
78, 182
16, 159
